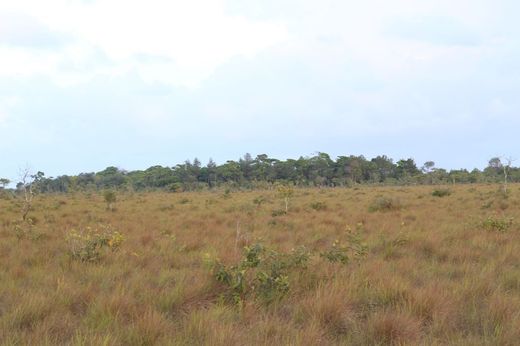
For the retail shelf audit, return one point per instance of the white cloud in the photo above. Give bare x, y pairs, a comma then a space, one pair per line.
191, 38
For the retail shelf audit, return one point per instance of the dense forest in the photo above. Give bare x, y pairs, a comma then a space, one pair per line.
262, 172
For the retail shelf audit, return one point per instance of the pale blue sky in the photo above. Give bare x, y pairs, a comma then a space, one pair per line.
89, 84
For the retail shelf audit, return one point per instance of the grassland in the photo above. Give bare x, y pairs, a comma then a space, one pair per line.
438, 271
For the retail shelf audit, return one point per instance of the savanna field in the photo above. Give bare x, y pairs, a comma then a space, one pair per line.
415, 265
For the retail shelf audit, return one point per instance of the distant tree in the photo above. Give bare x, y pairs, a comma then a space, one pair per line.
4, 182
495, 164
230, 172
428, 166
266, 172
28, 185
503, 165
428, 169
211, 173
351, 167
407, 168
195, 169
384, 166
111, 177
86, 181
246, 165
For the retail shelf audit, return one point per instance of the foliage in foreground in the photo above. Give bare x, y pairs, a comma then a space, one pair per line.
264, 272
87, 245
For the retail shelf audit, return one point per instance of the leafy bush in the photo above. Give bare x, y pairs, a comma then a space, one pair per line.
354, 249
25, 229
262, 272
318, 206
336, 253
87, 245
227, 193
497, 224
278, 212
110, 198
258, 201
441, 192
382, 203
174, 187
390, 247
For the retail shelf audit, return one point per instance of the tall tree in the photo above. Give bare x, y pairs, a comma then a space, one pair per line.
4, 182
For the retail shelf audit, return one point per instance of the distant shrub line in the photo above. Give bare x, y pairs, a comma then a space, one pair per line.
265, 172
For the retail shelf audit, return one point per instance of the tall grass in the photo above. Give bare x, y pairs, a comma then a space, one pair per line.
439, 271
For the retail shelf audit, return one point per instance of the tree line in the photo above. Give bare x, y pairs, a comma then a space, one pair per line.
262, 171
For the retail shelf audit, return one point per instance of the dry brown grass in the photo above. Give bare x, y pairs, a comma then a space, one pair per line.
433, 273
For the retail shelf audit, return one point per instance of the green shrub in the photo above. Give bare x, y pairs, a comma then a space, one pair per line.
174, 187
344, 253
258, 201
262, 272
497, 224
318, 206
382, 203
25, 229
441, 192
278, 212
87, 245
110, 198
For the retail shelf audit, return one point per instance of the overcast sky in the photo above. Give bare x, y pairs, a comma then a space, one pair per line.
89, 84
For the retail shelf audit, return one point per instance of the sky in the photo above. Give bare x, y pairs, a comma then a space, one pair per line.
90, 84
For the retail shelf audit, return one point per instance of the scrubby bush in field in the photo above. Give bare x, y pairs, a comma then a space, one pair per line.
258, 201
110, 198
441, 192
354, 249
497, 224
278, 212
87, 245
285, 192
261, 272
264, 273
319, 206
382, 203
25, 229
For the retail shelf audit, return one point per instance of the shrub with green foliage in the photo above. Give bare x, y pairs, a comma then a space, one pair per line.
262, 272
87, 245
497, 224
382, 203
258, 201
354, 249
318, 206
278, 212
25, 229
110, 198
441, 192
